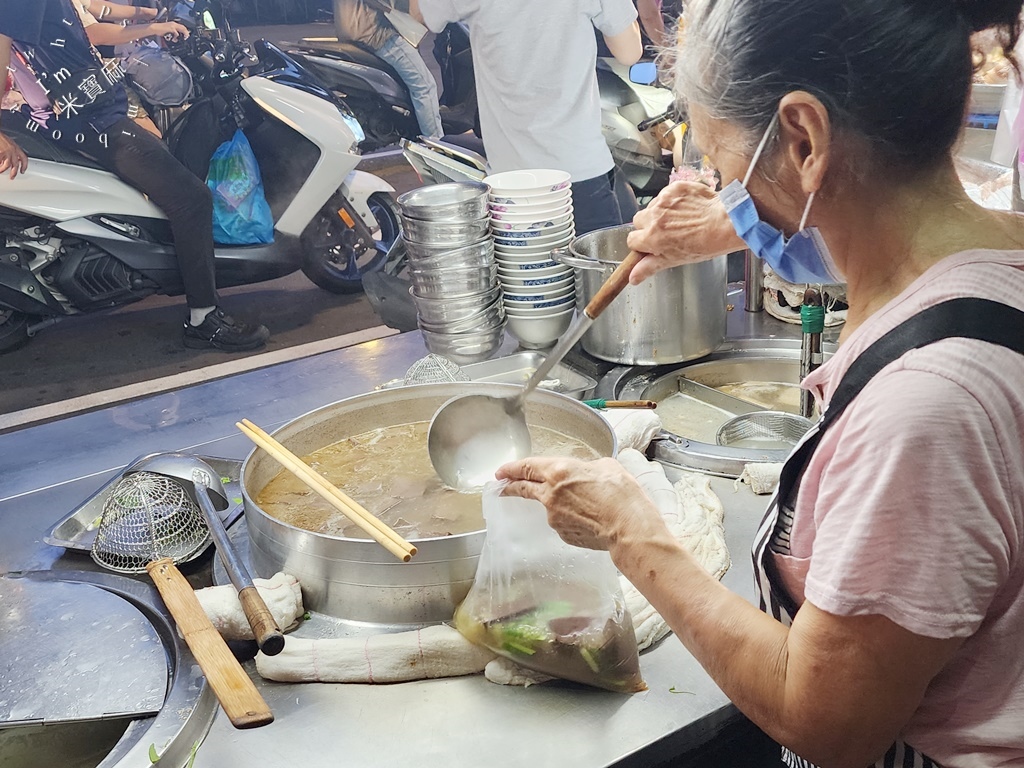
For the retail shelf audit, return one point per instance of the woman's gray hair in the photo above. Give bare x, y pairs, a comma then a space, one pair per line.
896, 73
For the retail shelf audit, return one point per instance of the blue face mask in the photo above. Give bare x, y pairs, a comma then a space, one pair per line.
804, 258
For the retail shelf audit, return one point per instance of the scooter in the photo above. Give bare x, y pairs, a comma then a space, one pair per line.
378, 96
78, 239
636, 117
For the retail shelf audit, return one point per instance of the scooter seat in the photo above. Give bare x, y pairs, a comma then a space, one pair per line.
349, 51
35, 144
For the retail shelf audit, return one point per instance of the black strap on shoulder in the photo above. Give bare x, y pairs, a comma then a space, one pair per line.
978, 319
968, 318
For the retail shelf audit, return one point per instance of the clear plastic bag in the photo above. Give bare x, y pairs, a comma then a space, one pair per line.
546, 605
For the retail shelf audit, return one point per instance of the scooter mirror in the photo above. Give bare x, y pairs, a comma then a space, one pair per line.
644, 73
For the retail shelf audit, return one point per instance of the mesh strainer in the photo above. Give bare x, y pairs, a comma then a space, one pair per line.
148, 517
763, 429
434, 369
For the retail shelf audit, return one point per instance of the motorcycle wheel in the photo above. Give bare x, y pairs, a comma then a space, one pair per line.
330, 257
13, 329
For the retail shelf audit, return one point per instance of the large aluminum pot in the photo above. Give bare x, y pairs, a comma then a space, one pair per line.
357, 579
677, 315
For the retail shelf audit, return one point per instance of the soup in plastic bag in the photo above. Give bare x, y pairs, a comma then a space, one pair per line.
546, 605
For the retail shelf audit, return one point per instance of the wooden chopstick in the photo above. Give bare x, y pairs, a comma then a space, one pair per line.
378, 530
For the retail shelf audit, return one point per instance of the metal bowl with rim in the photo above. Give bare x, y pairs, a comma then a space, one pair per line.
444, 233
454, 282
456, 201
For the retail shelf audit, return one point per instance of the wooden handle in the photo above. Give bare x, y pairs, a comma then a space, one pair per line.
648, 404
264, 627
613, 286
235, 691
368, 522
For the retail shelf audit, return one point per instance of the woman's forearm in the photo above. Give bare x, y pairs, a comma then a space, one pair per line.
835, 690
743, 649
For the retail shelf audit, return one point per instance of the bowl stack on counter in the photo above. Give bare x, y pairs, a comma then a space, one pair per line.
451, 264
531, 215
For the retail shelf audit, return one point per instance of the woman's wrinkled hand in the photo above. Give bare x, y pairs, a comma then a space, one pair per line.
593, 504
12, 157
685, 223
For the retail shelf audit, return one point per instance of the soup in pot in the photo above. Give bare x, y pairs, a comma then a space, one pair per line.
388, 471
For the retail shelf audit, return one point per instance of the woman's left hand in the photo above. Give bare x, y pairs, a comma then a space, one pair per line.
595, 504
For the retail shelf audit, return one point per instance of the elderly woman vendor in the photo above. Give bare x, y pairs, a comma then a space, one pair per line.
891, 563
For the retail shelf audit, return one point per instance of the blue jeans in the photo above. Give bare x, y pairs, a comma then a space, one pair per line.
603, 201
407, 61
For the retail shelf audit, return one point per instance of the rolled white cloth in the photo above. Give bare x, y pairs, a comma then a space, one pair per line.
634, 427
695, 516
762, 478
438, 651
281, 593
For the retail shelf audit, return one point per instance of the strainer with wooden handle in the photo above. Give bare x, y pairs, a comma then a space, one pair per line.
149, 524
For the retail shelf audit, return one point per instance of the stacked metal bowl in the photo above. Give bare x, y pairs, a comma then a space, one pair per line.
451, 265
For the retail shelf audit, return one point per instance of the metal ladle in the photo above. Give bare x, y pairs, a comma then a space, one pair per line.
471, 436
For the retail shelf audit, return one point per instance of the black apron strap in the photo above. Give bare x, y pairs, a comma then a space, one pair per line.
967, 318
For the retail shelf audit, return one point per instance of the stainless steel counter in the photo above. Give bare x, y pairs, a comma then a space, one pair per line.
48, 470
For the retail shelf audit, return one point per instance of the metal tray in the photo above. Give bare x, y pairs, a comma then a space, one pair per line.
517, 368
78, 530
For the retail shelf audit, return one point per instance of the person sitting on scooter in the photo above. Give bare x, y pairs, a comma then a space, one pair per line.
103, 25
535, 67
88, 113
363, 21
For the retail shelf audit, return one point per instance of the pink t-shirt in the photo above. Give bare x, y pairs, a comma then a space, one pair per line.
912, 507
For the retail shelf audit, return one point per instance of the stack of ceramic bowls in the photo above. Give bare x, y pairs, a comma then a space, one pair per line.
451, 265
531, 215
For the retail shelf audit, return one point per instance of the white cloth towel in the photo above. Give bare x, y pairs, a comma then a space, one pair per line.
281, 593
762, 478
438, 651
634, 427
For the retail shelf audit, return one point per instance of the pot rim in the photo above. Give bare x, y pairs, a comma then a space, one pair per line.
509, 389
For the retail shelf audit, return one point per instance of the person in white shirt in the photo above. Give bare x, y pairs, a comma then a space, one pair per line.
534, 63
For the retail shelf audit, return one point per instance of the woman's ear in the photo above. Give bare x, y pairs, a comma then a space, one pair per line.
805, 135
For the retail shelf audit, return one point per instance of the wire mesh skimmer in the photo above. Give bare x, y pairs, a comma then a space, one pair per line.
148, 517
763, 430
434, 369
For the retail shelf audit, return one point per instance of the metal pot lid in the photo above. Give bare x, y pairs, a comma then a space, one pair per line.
72, 652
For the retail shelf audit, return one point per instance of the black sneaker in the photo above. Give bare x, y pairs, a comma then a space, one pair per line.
221, 331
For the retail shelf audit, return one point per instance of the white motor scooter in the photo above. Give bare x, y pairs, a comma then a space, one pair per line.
78, 239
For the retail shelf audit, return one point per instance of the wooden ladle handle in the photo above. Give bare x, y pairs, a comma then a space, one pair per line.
234, 689
613, 286
261, 620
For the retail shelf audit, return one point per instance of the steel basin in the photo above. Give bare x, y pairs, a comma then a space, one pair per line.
772, 360
358, 580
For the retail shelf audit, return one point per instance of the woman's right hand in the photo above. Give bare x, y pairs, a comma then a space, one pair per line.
685, 223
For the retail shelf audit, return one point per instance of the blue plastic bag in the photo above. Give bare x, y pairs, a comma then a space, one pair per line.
241, 215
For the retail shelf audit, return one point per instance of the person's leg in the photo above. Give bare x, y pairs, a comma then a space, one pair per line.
140, 159
422, 88
143, 161
595, 205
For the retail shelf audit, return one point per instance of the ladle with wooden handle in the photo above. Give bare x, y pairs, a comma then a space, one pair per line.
471, 436
264, 627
